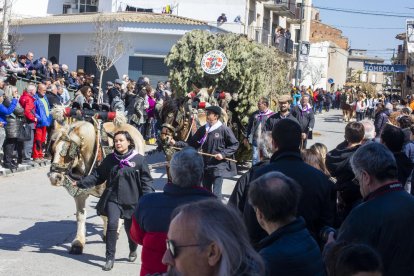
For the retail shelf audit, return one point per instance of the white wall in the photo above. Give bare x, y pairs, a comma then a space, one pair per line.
36, 8
318, 57
36, 43
337, 69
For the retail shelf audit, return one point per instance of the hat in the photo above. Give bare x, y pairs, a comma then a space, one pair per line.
109, 83
118, 81
215, 109
1, 93
284, 98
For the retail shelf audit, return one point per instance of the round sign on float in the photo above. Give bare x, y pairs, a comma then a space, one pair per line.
214, 62
330, 80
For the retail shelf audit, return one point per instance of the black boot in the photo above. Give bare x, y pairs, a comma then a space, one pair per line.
132, 256
108, 265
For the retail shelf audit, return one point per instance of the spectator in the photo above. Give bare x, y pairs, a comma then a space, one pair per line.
44, 120
338, 164
22, 64
139, 115
41, 69
393, 138
304, 114
222, 18
369, 131
152, 215
13, 66
256, 127
289, 249
4, 112
237, 19
384, 219
27, 101
84, 99
52, 96
353, 259
321, 150
73, 81
209, 238
315, 206
381, 118
239, 196
63, 91
150, 130
360, 108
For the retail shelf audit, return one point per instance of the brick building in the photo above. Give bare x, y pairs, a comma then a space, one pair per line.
320, 32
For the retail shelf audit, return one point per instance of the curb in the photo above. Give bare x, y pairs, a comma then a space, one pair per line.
24, 167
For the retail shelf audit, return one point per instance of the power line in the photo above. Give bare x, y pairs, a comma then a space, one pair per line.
369, 28
365, 12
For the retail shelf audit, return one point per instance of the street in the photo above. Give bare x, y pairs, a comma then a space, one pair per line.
38, 222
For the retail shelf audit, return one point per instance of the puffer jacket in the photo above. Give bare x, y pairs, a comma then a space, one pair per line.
27, 102
14, 120
5, 111
44, 118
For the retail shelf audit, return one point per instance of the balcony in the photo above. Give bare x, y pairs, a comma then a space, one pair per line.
282, 7
265, 37
231, 27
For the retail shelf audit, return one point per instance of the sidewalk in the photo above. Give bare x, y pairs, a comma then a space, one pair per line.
23, 167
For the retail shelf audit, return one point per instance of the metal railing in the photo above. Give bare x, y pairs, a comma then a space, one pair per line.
266, 37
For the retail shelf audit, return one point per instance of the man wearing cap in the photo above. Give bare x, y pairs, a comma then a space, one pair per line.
256, 126
218, 141
284, 113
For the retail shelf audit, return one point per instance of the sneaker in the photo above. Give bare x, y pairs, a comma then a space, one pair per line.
132, 256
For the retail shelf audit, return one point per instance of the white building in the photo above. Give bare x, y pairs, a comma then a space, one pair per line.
326, 63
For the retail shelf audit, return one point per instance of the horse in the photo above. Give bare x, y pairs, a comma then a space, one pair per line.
76, 151
347, 106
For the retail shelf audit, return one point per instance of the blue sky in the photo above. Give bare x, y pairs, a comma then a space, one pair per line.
357, 26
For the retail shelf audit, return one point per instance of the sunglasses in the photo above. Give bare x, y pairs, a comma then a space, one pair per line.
173, 248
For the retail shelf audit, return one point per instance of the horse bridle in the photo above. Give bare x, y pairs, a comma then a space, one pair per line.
71, 150
176, 118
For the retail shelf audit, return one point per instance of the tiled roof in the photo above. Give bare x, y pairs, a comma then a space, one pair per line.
132, 17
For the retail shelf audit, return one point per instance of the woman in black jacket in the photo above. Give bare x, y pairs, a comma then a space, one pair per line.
127, 178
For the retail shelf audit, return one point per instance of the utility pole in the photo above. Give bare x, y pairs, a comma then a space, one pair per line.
299, 44
5, 45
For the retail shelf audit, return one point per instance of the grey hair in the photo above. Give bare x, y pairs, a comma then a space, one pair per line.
266, 145
65, 67
389, 106
376, 160
186, 168
31, 87
369, 129
222, 225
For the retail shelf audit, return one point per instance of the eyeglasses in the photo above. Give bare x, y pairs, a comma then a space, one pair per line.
174, 248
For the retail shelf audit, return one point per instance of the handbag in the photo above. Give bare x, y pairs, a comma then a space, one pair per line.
103, 200
25, 133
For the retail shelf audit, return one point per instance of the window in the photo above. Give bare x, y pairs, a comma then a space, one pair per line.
88, 5
65, 8
297, 35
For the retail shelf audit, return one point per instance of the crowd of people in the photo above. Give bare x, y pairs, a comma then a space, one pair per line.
50, 84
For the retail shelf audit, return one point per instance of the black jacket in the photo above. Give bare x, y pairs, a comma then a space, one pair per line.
306, 119
339, 166
128, 183
385, 222
53, 99
238, 197
276, 118
14, 120
315, 204
221, 140
292, 251
381, 119
404, 166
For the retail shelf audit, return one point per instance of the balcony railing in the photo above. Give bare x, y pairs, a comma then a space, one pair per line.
266, 37
285, 7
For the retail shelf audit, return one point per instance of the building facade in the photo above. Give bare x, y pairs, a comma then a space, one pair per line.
356, 72
405, 80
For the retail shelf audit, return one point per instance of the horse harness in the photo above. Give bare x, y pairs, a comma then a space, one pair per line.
71, 150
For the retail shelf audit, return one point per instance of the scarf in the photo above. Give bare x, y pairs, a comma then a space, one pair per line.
124, 159
261, 114
208, 130
305, 108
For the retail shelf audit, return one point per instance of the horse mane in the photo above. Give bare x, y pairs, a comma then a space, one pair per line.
120, 119
171, 106
58, 112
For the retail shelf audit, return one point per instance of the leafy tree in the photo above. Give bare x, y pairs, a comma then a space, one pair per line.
253, 70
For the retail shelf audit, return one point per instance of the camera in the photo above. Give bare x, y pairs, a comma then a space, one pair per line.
324, 233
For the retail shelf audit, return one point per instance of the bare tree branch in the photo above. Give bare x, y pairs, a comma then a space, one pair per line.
108, 46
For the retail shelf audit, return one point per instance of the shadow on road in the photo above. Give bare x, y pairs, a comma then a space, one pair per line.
51, 237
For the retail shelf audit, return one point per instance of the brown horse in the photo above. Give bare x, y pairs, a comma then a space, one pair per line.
347, 106
76, 150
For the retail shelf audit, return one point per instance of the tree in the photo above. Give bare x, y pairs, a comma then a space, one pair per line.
15, 37
108, 46
314, 72
253, 70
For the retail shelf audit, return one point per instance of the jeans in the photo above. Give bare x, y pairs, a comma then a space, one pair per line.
255, 156
2, 138
10, 144
216, 182
28, 146
360, 116
114, 213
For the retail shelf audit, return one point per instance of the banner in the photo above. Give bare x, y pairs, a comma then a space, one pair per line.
385, 68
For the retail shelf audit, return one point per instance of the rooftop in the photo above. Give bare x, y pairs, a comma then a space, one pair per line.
132, 17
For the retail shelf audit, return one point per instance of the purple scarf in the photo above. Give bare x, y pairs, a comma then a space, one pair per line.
124, 162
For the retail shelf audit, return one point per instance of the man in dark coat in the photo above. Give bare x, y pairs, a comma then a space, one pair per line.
384, 220
152, 216
315, 205
218, 140
338, 164
289, 249
304, 114
284, 113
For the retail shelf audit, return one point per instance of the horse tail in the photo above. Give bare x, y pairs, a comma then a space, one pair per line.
120, 119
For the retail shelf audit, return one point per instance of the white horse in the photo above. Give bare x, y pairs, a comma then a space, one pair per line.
76, 151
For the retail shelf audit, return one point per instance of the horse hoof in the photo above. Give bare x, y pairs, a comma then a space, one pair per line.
76, 250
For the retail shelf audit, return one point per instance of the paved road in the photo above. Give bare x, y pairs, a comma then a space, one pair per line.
38, 222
